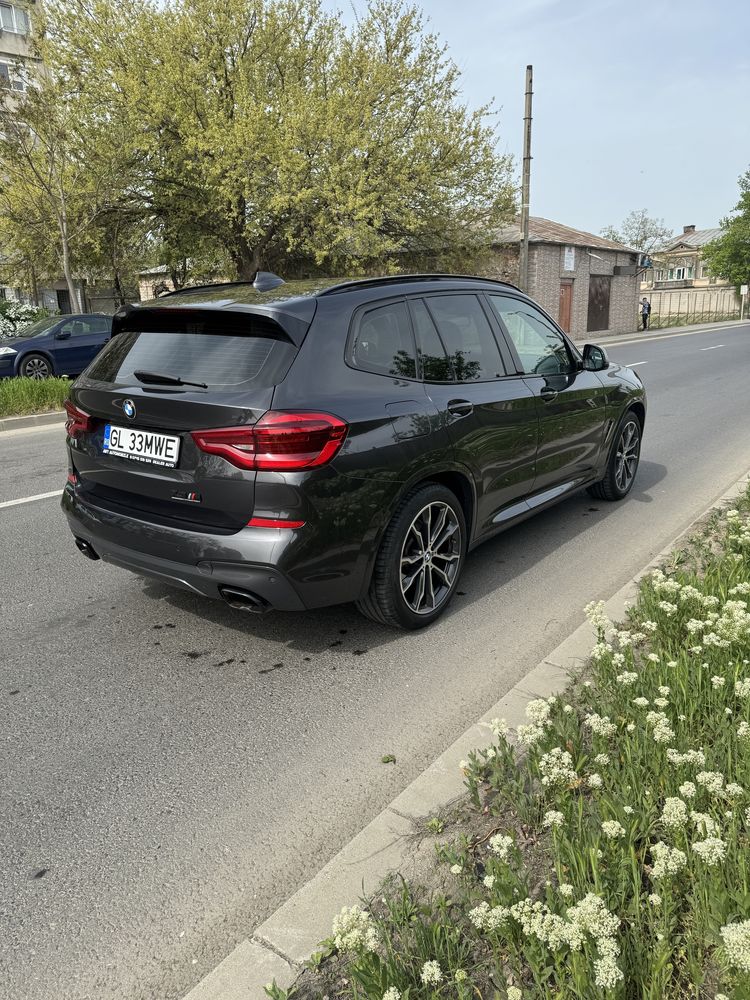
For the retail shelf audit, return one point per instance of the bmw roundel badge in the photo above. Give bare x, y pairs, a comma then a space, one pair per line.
128, 408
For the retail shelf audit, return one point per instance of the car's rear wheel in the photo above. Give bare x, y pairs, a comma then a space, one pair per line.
420, 560
35, 366
623, 461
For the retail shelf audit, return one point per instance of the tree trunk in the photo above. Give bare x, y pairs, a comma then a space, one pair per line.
75, 300
34, 285
246, 259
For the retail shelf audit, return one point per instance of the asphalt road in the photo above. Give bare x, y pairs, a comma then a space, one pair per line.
171, 771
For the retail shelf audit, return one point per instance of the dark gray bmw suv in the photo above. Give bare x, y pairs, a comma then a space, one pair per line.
297, 445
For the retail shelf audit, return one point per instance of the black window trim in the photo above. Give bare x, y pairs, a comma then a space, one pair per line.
506, 359
575, 355
354, 325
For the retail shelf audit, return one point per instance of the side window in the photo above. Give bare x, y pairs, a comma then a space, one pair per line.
541, 348
468, 337
99, 324
432, 357
79, 327
383, 342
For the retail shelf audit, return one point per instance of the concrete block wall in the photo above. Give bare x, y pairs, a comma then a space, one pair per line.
547, 268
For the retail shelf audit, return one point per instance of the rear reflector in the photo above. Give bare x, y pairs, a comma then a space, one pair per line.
78, 422
280, 440
273, 522
72, 479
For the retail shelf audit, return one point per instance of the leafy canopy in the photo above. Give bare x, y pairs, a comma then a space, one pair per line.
640, 231
729, 256
264, 133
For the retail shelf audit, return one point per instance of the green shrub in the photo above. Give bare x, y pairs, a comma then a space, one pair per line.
29, 395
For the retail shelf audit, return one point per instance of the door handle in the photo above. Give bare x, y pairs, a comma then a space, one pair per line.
548, 394
460, 407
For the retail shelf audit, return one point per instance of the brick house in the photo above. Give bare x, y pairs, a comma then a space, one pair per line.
587, 283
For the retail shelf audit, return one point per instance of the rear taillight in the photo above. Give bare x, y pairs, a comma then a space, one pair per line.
281, 441
78, 422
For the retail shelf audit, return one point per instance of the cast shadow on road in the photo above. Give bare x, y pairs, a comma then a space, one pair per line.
489, 568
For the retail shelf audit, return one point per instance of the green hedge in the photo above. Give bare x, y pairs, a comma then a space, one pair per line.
29, 395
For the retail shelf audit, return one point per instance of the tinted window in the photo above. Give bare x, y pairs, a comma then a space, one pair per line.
468, 337
77, 327
433, 360
383, 342
222, 360
541, 348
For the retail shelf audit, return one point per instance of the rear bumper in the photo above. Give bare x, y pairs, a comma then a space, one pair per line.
198, 562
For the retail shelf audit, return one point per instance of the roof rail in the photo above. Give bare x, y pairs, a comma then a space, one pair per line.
395, 279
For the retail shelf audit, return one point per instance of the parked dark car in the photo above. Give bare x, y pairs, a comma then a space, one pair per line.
57, 345
313, 444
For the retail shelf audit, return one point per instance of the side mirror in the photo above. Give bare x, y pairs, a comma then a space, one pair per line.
62, 335
595, 358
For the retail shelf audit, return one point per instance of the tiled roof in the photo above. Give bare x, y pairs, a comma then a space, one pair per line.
545, 231
697, 239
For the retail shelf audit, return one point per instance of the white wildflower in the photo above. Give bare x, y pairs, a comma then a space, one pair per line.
742, 688
600, 724
612, 829
712, 850
352, 931
489, 881
556, 768
687, 790
641, 702
500, 846
628, 810
431, 974
704, 823
538, 712
718, 681
664, 691
602, 759
713, 781
457, 869
655, 899
499, 727
743, 732
736, 938
733, 790
513, 993
568, 709
674, 814
627, 678
392, 994
630, 727
528, 736
661, 702
553, 818
667, 860
652, 658
595, 780
566, 890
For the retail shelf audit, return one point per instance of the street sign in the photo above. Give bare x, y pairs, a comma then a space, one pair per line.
743, 289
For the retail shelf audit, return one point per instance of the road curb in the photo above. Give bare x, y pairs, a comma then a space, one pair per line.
282, 943
32, 420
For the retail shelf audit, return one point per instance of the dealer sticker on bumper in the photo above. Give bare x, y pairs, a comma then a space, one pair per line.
141, 446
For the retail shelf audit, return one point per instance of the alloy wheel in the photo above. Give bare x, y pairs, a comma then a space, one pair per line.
430, 558
626, 456
36, 368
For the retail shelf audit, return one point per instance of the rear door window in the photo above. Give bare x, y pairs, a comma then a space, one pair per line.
256, 354
383, 341
433, 359
468, 338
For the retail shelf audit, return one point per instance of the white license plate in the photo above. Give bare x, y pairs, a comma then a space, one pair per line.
141, 446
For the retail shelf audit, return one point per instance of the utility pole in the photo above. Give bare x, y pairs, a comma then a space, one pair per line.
523, 263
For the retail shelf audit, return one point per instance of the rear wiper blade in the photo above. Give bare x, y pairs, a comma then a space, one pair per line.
154, 378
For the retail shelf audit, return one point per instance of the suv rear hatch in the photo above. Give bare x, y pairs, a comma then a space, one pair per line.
132, 449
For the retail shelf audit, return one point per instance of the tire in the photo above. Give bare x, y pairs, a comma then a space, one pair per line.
35, 366
433, 511
621, 469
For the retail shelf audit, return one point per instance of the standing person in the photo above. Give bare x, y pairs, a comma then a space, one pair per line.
645, 312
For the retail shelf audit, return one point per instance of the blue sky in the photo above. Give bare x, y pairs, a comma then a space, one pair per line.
636, 105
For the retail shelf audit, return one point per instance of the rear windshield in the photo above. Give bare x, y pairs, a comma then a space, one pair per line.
224, 361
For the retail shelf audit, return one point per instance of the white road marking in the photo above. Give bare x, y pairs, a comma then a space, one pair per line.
714, 348
636, 363
39, 496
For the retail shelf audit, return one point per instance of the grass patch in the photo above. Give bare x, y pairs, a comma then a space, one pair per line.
614, 860
28, 395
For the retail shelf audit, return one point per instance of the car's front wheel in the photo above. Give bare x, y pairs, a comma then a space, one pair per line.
35, 366
420, 560
623, 461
